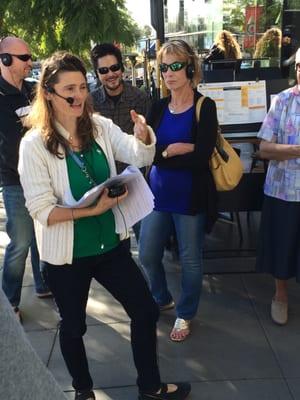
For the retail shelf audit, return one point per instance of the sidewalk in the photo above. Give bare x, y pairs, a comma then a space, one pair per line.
234, 352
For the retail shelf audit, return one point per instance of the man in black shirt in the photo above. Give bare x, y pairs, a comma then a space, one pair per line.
15, 97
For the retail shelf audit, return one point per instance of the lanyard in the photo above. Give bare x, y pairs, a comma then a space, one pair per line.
82, 166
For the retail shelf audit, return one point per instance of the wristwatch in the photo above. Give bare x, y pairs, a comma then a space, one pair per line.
164, 154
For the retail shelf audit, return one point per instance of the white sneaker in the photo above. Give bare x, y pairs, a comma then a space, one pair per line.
279, 312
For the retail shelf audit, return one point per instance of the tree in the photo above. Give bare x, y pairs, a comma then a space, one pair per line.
147, 31
67, 24
234, 15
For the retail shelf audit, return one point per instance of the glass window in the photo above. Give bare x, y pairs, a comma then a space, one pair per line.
255, 24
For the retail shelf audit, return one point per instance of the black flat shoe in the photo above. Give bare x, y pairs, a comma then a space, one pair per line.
85, 395
182, 391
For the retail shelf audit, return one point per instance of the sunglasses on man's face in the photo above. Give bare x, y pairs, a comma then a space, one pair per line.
175, 66
112, 68
23, 57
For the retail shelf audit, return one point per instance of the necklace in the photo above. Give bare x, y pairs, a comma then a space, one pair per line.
172, 111
72, 145
180, 108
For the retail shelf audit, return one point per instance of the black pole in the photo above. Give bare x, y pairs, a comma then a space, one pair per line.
158, 23
157, 18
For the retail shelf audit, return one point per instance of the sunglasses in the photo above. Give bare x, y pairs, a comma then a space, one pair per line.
23, 57
175, 66
112, 68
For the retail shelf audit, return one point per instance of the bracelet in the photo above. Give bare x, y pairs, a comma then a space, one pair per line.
165, 154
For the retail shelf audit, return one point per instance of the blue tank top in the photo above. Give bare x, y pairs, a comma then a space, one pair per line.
172, 188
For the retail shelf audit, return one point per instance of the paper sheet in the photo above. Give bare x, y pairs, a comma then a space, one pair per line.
239, 102
138, 203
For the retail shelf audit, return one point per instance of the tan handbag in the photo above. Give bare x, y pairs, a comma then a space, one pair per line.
225, 164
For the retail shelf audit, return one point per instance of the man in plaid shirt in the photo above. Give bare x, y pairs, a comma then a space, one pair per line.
115, 98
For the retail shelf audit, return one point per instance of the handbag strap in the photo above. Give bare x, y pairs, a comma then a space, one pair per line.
218, 146
198, 107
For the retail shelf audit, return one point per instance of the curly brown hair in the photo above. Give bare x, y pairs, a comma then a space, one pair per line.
269, 44
227, 43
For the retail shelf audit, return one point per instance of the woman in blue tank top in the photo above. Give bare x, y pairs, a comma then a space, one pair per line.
184, 190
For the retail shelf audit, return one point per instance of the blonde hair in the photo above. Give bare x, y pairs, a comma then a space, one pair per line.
184, 51
42, 115
228, 44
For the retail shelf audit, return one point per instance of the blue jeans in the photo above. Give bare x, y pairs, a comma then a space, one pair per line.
19, 227
155, 231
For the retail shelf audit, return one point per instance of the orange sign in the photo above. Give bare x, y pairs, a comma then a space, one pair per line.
252, 25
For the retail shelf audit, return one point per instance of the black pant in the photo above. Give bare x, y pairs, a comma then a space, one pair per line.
118, 273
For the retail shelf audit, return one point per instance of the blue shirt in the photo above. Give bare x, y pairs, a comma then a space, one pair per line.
172, 188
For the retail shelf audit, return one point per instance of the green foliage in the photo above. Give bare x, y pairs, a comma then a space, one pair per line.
67, 24
147, 31
234, 16
293, 4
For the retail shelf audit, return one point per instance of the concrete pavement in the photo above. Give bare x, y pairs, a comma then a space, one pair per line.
235, 352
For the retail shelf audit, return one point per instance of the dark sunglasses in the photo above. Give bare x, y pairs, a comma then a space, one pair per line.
175, 66
23, 57
112, 68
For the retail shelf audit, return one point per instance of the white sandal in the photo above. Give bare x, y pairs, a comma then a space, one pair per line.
181, 327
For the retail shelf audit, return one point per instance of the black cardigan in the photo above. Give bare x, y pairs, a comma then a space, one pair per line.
204, 135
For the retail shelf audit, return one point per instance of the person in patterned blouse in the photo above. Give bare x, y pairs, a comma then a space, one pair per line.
278, 244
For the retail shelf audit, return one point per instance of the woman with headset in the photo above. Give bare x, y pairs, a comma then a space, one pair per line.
70, 150
184, 190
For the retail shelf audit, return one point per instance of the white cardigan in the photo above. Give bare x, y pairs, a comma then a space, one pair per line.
44, 178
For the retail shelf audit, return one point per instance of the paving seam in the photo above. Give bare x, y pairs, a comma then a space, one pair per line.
52, 347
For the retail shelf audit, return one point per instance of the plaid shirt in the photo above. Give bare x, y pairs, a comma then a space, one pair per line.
131, 98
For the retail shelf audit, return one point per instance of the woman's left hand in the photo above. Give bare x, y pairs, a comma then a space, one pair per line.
178, 149
140, 127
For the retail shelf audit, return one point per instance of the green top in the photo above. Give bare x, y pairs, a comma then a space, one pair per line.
92, 235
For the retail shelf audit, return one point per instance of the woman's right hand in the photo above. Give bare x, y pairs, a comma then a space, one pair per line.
105, 202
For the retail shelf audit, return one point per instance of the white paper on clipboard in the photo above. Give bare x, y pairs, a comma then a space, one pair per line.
138, 203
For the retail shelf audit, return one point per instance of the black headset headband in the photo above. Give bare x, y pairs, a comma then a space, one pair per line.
190, 69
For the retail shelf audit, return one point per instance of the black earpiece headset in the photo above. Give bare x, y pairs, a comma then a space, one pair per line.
50, 89
190, 68
5, 57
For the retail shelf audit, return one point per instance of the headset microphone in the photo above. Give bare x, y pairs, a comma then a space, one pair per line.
69, 100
